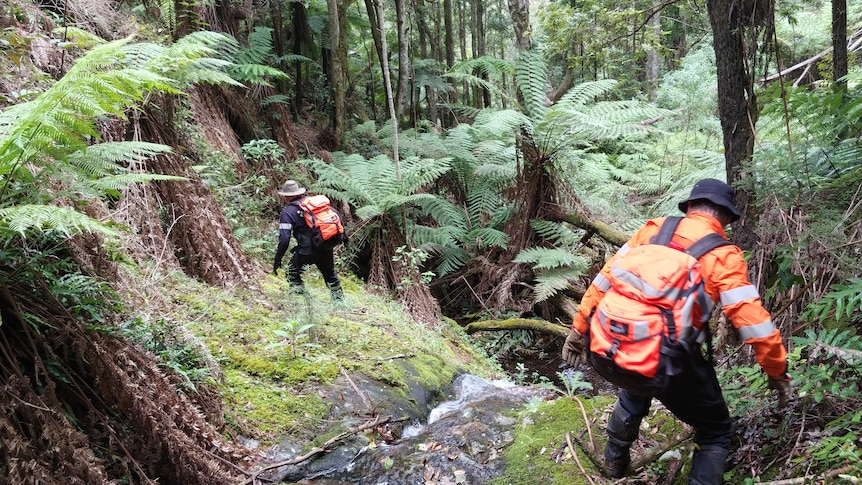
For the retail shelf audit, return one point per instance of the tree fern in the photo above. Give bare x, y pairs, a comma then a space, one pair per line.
49, 141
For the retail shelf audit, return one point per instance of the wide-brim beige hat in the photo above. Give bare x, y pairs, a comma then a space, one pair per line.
291, 188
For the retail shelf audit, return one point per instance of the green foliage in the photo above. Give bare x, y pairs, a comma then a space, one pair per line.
294, 336
176, 349
411, 260
251, 64
465, 71
555, 269
842, 304
50, 139
257, 151
574, 381
829, 368
532, 73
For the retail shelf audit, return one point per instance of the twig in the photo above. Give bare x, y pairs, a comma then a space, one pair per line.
393, 357
658, 452
575, 456
360, 393
807, 478
587, 424
324, 448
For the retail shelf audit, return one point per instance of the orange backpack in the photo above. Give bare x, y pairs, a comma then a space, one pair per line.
327, 231
655, 312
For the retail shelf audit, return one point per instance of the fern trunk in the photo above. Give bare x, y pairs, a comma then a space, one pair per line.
200, 235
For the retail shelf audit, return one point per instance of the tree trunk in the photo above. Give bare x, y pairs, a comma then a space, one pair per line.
449, 41
377, 37
737, 109
481, 48
403, 58
338, 68
839, 41
520, 13
300, 39
652, 63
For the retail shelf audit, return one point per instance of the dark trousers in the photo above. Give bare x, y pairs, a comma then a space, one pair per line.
325, 262
694, 396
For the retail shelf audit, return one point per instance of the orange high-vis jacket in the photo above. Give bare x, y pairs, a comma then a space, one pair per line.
726, 275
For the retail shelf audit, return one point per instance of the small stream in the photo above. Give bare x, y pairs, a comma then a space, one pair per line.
462, 439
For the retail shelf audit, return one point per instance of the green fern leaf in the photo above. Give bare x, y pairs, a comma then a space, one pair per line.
23, 219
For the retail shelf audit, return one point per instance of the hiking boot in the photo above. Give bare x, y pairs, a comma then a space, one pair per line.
337, 295
617, 468
297, 290
707, 465
622, 432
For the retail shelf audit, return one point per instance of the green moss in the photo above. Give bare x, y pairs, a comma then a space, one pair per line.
271, 409
540, 453
270, 385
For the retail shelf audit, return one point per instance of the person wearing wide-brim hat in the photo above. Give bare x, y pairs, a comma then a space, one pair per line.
292, 223
693, 393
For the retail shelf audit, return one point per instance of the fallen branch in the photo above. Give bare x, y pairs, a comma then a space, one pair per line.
543, 326
807, 478
587, 424
575, 456
358, 392
656, 453
324, 448
603, 230
391, 357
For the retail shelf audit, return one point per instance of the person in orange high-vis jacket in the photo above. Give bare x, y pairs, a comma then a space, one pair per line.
694, 396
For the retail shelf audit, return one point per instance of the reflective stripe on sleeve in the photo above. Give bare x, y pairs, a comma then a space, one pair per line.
601, 282
764, 329
285, 225
623, 249
737, 295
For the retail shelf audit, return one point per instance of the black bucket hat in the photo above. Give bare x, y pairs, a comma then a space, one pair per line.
715, 191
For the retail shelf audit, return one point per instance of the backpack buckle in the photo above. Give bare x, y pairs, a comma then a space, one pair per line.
612, 351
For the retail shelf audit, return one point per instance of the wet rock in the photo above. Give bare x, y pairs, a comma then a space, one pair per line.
465, 442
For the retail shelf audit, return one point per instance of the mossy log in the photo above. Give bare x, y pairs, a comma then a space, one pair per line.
593, 226
543, 326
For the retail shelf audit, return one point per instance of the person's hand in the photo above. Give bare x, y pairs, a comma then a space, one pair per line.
573, 349
784, 388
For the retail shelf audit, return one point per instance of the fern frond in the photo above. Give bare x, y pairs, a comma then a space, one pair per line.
290, 58
585, 92
420, 172
551, 282
122, 181
545, 258
259, 47
254, 73
501, 123
103, 158
531, 74
484, 237
445, 213
554, 232
275, 99
23, 219
473, 81
489, 65
451, 260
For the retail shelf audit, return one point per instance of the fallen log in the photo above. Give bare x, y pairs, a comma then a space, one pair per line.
543, 326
